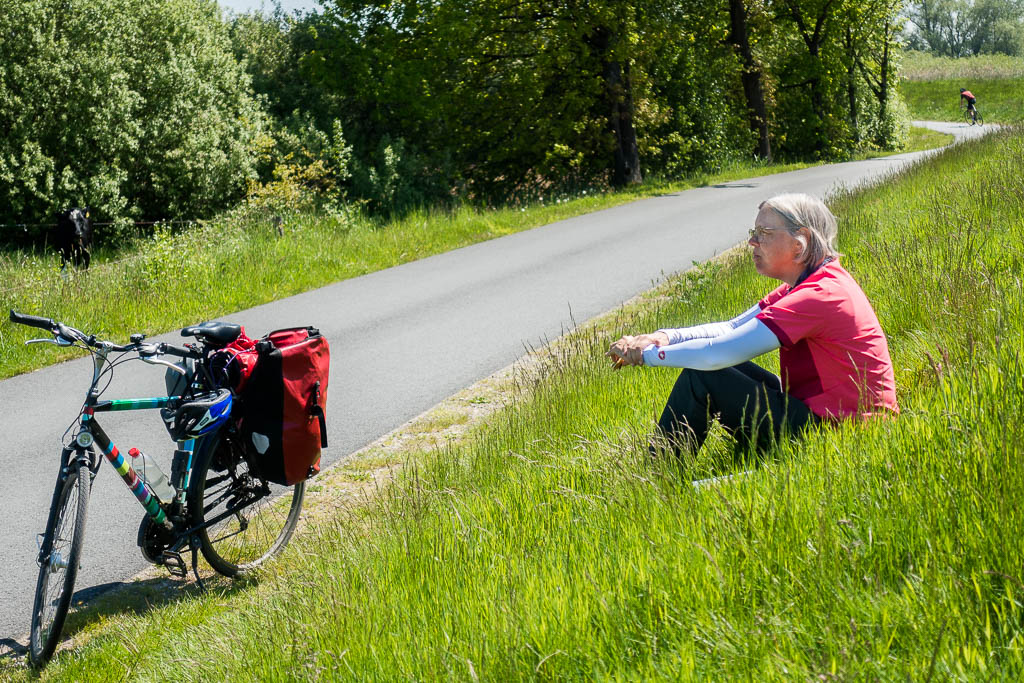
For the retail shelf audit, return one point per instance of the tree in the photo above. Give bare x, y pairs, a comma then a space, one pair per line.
958, 28
752, 76
135, 108
873, 31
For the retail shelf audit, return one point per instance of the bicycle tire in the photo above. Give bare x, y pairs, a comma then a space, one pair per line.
68, 517
979, 119
256, 532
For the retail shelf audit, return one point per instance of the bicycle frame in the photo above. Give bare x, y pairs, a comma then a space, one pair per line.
91, 435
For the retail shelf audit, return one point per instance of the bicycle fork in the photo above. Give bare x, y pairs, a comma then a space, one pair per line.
70, 460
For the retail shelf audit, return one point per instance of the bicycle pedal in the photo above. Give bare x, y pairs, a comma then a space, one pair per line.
174, 562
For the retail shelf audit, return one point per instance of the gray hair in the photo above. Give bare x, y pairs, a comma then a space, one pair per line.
805, 211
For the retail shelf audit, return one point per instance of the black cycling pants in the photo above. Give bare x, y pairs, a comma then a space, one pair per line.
747, 399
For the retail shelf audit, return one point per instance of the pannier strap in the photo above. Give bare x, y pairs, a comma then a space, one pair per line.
318, 412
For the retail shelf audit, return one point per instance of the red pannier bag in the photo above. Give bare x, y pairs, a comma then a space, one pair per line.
282, 403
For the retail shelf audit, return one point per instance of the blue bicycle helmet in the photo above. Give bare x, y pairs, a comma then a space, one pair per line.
202, 415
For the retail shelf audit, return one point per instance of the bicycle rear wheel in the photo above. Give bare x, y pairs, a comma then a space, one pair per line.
250, 520
65, 535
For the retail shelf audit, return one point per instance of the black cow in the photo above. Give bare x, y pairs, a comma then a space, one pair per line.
73, 237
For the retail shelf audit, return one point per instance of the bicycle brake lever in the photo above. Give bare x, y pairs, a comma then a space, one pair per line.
59, 341
157, 361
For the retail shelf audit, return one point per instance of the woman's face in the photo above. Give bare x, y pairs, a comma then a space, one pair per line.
776, 251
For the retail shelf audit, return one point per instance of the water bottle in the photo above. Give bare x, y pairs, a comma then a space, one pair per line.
154, 477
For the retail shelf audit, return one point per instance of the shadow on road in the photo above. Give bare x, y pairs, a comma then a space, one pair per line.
12, 649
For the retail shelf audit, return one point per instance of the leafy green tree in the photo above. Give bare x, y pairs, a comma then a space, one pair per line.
510, 97
872, 46
136, 108
957, 28
498, 100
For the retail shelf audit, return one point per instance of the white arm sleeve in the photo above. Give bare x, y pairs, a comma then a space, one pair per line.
711, 330
747, 341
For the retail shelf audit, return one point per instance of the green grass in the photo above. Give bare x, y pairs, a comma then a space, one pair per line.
234, 263
921, 139
921, 66
918, 140
999, 100
931, 86
550, 547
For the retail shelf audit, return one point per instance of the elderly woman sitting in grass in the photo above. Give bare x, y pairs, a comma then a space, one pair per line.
833, 355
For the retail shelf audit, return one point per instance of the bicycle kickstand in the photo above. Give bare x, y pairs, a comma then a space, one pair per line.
194, 545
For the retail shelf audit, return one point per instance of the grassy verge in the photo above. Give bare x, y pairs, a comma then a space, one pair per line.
918, 140
921, 139
175, 280
931, 86
1000, 100
548, 546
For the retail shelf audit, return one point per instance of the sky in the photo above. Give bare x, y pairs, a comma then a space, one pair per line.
289, 6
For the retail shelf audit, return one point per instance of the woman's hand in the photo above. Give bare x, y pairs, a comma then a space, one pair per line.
629, 349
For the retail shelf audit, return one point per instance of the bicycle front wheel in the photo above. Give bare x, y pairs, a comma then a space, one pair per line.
65, 535
246, 519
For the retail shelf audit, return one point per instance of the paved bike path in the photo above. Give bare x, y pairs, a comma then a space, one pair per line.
402, 340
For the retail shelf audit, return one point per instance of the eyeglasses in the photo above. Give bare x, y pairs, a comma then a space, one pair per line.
757, 235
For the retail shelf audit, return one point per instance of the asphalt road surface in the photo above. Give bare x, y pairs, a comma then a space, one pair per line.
402, 340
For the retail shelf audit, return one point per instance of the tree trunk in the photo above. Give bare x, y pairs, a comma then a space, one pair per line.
618, 101
626, 168
751, 77
883, 87
851, 89
818, 106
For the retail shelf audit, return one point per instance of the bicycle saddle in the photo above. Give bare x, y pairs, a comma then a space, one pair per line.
219, 333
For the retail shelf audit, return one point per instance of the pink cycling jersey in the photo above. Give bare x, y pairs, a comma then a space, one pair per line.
834, 355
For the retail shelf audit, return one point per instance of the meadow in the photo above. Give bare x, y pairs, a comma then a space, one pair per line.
548, 545
931, 86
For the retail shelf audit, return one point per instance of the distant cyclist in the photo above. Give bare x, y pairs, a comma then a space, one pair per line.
969, 96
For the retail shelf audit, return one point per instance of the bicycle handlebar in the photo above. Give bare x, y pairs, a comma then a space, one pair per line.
162, 348
33, 321
71, 334
180, 351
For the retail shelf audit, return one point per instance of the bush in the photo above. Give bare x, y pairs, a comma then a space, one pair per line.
136, 108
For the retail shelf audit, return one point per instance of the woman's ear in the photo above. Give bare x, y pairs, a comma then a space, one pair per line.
803, 238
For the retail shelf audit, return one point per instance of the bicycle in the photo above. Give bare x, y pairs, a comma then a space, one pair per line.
972, 116
219, 504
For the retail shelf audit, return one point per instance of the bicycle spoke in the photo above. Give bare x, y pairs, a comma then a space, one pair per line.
244, 521
59, 567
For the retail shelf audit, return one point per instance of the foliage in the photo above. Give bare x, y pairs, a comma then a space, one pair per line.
146, 110
521, 97
137, 109
958, 28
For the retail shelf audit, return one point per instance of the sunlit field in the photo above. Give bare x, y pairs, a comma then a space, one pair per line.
931, 86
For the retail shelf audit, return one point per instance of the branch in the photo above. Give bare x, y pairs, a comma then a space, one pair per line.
809, 81
875, 86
